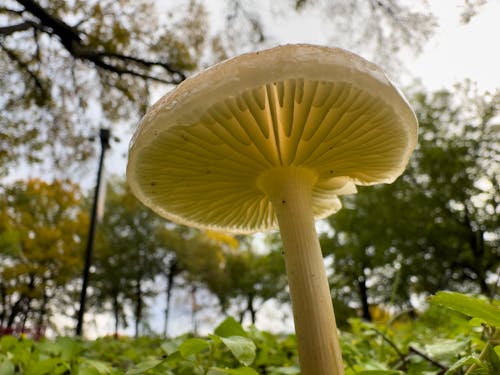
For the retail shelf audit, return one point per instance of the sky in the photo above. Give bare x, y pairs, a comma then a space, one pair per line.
456, 52
459, 51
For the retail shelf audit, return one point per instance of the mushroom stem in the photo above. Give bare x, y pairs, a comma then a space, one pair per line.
290, 192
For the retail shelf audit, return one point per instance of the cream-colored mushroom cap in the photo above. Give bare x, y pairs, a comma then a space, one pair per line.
202, 153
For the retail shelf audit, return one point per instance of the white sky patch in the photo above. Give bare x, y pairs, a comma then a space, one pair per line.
461, 51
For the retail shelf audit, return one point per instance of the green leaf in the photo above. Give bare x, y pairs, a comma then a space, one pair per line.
465, 361
494, 360
237, 371
285, 370
101, 367
192, 346
470, 306
379, 372
88, 371
170, 347
42, 367
230, 327
7, 367
69, 348
144, 366
8, 342
242, 348
446, 349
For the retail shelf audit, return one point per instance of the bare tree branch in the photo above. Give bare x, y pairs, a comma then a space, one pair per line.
412, 349
120, 70
11, 11
72, 41
92, 54
11, 29
67, 33
24, 66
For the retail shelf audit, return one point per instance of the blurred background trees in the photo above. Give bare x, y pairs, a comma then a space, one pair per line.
129, 256
68, 68
436, 227
41, 251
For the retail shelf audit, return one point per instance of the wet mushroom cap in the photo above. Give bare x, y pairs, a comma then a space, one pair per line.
199, 153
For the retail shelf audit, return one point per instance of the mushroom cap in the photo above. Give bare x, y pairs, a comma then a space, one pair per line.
198, 152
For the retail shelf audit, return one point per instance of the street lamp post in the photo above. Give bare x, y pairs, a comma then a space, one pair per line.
104, 135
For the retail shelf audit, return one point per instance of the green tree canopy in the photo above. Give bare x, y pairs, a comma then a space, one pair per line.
436, 227
255, 278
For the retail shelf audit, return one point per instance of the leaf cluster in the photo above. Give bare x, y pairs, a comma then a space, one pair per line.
439, 341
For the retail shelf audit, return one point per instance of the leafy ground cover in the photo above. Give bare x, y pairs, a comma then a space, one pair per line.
456, 335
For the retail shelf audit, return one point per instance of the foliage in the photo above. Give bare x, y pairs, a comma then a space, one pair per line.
71, 66
453, 184
41, 235
255, 278
129, 252
436, 227
438, 342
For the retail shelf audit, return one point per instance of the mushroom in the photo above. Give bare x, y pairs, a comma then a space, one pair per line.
271, 139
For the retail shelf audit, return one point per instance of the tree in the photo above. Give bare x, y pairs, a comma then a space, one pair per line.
255, 278
436, 227
41, 236
130, 252
200, 258
455, 175
66, 61
361, 249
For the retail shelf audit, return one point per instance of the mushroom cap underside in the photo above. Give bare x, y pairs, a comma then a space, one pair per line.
198, 153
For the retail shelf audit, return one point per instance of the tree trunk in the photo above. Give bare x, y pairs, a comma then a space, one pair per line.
476, 243
363, 295
138, 306
3, 307
116, 314
172, 271
478, 249
17, 308
194, 310
42, 315
14, 311
241, 316
251, 308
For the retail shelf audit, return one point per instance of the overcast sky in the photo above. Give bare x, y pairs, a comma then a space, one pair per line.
459, 51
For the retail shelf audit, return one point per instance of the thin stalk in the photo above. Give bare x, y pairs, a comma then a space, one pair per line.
484, 353
290, 192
